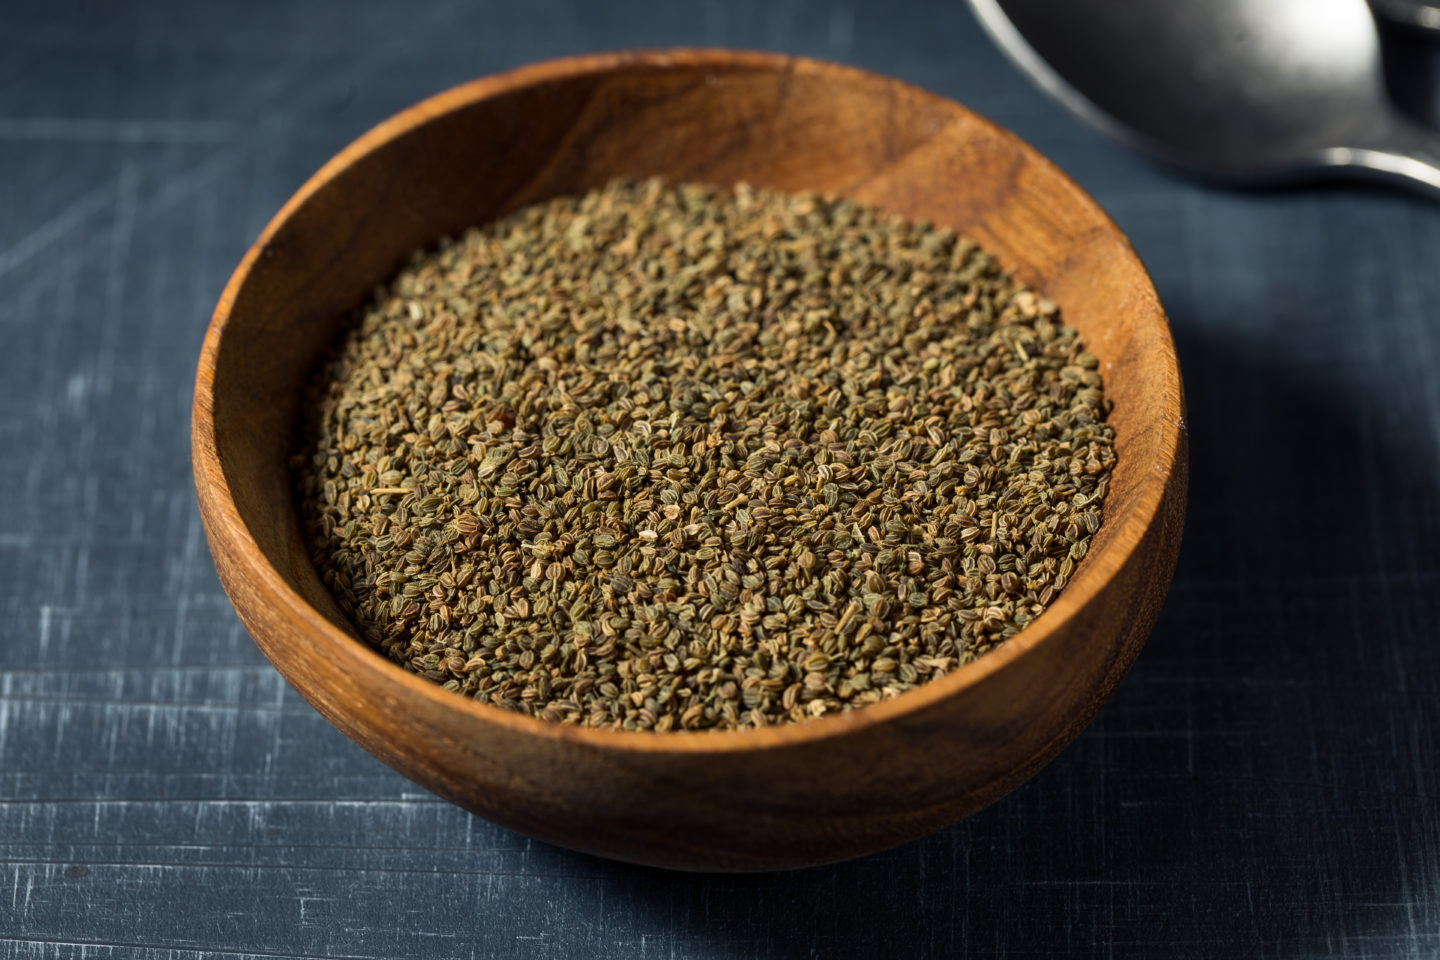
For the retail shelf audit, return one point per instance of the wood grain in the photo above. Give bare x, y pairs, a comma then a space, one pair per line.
780, 797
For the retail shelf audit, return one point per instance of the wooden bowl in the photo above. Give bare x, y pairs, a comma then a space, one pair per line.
760, 799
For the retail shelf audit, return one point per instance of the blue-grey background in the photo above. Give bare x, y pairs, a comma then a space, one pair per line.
1265, 783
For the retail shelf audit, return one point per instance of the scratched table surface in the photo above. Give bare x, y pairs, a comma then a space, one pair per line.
1265, 782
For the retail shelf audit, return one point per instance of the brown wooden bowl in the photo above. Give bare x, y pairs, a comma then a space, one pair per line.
760, 799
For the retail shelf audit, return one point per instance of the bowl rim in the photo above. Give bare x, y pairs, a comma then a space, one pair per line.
271, 588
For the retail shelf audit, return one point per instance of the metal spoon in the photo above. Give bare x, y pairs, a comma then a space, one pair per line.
1421, 14
1248, 91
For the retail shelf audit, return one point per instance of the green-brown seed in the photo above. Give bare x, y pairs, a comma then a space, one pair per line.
667, 457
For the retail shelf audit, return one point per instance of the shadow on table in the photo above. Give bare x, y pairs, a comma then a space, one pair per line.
1222, 801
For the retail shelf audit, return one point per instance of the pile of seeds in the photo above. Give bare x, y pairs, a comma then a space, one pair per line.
670, 457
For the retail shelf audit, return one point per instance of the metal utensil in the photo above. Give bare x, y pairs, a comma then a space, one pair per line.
1422, 14
1240, 90
1410, 47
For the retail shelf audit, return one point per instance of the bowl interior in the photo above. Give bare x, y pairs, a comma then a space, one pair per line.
482, 150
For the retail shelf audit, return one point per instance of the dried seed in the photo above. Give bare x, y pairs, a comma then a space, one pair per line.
666, 457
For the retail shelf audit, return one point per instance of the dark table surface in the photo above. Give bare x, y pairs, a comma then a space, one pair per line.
1265, 782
